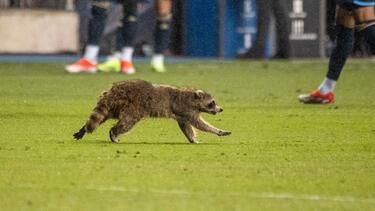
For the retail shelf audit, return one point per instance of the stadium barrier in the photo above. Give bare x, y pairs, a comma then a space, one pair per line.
226, 28
218, 28
307, 28
38, 31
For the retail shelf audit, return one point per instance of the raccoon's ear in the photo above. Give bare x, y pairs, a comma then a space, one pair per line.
198, 94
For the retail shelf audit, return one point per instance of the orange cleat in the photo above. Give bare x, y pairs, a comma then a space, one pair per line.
316, 97
127, 67
82, 65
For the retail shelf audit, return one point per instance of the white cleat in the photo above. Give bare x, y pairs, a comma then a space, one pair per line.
82, 65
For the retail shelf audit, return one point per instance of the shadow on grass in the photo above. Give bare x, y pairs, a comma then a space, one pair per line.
141, 143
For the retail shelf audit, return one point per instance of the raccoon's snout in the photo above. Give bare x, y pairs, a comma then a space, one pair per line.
219, 109
216, 111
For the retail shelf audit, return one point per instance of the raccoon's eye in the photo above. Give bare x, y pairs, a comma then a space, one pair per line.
212, 104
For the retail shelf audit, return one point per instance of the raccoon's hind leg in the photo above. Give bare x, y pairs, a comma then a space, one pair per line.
188, 131
122, 126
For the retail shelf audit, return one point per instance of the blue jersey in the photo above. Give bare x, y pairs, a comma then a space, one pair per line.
356, 3
364, 3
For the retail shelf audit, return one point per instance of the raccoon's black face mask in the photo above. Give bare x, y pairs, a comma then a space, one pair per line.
206, 103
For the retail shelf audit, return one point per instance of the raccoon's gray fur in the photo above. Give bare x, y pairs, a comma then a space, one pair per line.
132, 100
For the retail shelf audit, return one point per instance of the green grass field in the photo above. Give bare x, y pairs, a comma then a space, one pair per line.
282, 155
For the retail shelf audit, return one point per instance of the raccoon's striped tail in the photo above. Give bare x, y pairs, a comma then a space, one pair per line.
78, 135
98, 116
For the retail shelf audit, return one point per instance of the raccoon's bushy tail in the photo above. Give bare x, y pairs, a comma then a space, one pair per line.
78, 135
98, 116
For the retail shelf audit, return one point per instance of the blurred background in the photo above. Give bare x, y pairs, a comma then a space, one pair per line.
217, 28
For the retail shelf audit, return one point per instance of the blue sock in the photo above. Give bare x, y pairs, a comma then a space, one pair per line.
119, 39
161, 34
96, 24
369, 34
344, 47
129, 23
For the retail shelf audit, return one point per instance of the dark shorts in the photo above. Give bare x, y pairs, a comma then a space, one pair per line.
120, 1
352, 4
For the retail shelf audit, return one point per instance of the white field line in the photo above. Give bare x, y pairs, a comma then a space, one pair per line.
259, 195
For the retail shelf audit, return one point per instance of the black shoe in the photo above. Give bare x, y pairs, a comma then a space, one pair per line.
251, 54
280, 55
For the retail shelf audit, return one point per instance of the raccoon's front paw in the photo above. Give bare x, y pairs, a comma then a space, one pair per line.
224, 133
113, 137
193, 141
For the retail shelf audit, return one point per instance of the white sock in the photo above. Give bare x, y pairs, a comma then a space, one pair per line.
91, 53
116, 55
157, 58
127, 53
328, 85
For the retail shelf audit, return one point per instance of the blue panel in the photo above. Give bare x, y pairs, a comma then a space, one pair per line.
240, 26
201, 28
231, 37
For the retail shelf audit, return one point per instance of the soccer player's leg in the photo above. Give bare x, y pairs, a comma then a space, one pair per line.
365, 24
88, 62
161, 33
129, 30
113, 62
344, 45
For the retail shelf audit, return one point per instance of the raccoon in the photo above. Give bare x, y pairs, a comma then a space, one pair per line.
133, 100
